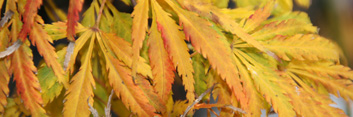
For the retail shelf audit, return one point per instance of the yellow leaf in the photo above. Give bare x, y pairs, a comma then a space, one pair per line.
267, 83
325, 69
306, 101
123, 51
301, 47
120, 79
15, 108
79, 43
343, 86
213, 46
296, 15
80, 91
4, 73
256, 101
288, 27
238, 13
176, 47
139, 28
229, 24
303, 3
178, 108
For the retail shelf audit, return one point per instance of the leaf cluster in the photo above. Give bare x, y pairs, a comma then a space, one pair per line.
260, 55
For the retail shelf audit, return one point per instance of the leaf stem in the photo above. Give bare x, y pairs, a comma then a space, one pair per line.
99, 14
197, 100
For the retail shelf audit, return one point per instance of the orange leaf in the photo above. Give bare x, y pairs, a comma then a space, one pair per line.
130, 94
176, 47
162, 66
40, 39
75, 8
139, 27
29, 15
258, 17
27, 83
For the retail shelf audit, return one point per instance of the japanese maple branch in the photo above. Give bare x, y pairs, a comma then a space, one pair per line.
197, 101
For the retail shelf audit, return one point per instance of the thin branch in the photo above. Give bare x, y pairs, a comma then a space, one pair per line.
6, 17
133, 2
69, 51
93, 111
100, 14
11, 49
197, 101
109, 104
235, 109
210, 109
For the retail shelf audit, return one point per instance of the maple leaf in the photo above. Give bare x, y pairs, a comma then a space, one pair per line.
256, 101
200, 74
27, 83
4, 73
230, 25
78, 46
48, 81
301, 47
139, 27
15, 108
306, 96
120, 79
57, 30
211, 44
75, 6
176, 47
287, 27
123, 51
122, 23
80, 92
266, 82
162, 66
325, 69
331, 84
40, 39
31, 9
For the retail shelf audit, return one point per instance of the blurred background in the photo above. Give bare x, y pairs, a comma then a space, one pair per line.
335, 20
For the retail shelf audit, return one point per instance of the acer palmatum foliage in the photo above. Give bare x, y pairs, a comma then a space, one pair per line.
260, 55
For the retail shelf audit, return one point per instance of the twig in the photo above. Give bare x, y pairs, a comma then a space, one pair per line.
109, 104
100, 14
6, 17
197, 101
193, 54
11, 49
236, 109
133, 2
210, 109
94, 111
69, 51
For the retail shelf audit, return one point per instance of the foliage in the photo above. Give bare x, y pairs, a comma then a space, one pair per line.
260, 55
